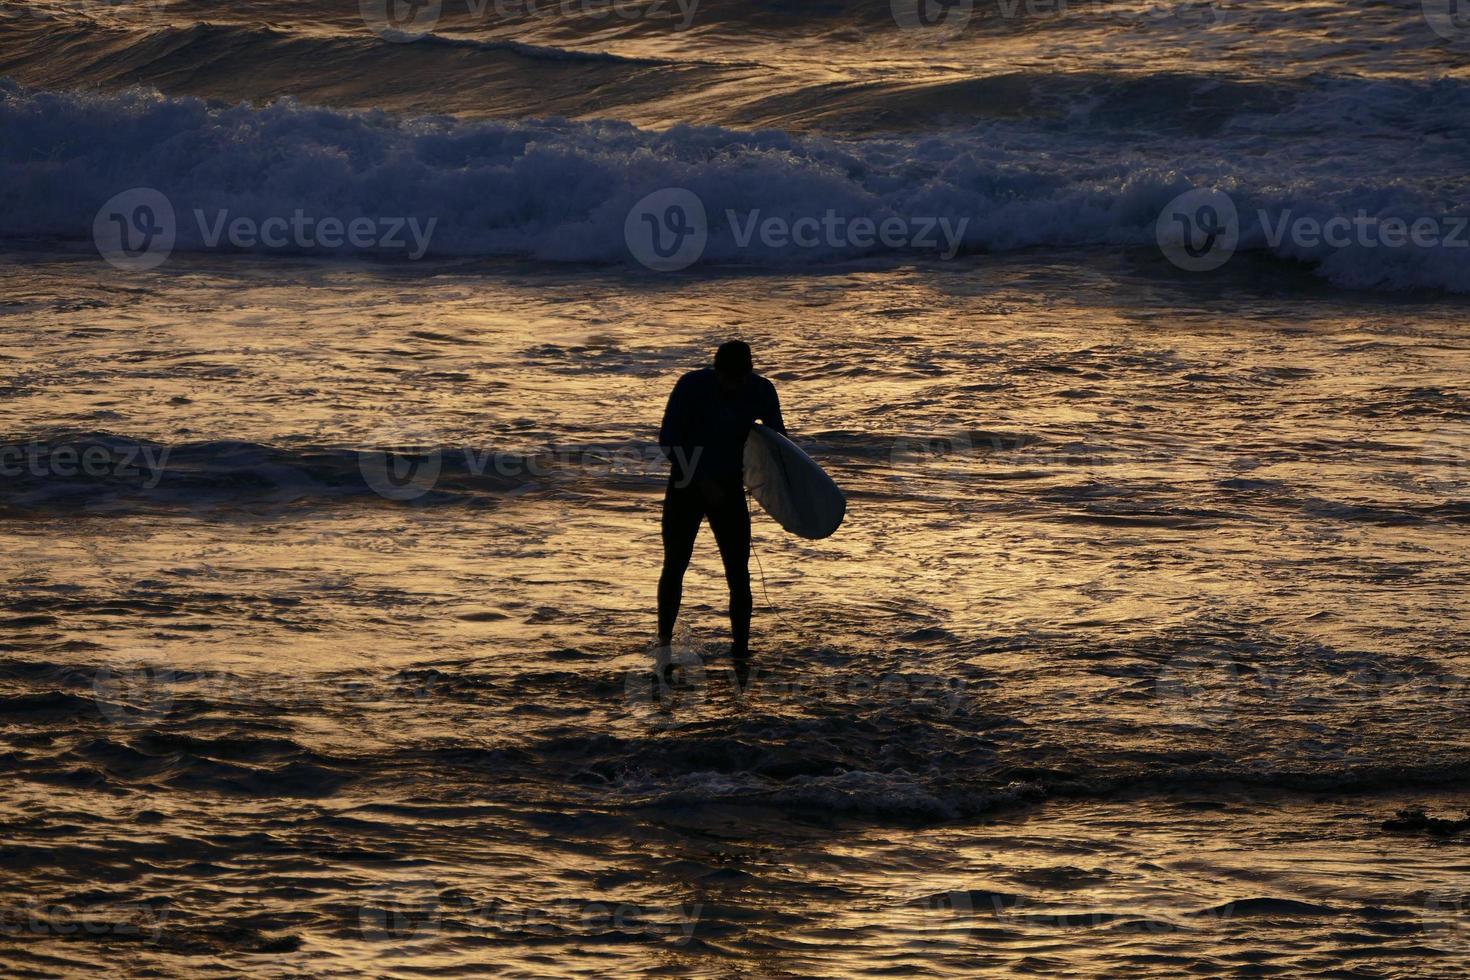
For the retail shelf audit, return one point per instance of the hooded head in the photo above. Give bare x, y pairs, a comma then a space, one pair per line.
733, 364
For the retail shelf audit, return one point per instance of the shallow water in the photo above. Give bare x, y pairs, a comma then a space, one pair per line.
1149, 609
329, 567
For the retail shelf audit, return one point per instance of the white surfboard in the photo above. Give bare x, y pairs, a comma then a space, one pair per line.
789, 486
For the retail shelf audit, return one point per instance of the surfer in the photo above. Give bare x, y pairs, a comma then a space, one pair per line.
703, 436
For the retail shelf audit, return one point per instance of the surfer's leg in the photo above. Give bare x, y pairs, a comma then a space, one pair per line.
730, 522
683, 510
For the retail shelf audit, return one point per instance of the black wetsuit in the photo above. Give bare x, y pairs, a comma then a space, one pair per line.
703, 435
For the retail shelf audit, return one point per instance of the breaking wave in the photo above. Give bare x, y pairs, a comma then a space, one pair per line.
563, 191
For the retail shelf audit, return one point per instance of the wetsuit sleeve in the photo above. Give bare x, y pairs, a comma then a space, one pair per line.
675, 428
771, 411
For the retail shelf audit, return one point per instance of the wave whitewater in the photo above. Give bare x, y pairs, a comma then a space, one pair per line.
562, 191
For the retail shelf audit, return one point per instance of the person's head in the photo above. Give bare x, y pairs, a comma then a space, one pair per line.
733, 363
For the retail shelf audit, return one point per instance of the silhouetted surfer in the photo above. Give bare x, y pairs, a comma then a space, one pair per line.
708, 417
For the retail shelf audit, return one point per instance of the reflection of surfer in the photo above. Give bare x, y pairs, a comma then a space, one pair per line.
708, 417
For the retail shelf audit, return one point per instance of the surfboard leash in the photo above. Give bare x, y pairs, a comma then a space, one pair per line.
780, 458
767, 592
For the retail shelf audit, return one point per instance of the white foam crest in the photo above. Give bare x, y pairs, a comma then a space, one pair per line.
561, 191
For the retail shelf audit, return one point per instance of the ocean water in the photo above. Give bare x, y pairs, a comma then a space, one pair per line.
329, 567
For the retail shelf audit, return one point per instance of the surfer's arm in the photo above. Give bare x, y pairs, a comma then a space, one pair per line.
673, 433
771, 413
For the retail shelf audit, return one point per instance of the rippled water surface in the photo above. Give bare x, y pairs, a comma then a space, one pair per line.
329, 568
1150, 608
